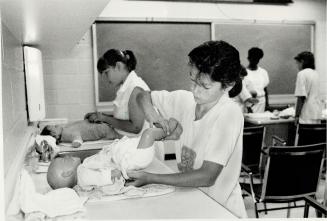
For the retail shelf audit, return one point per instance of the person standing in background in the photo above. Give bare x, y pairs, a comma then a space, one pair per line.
257, 80
244, 99
308, 105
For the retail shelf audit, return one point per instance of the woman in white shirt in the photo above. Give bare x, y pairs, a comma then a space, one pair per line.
128, 119
117, 67
308, 105
257, 80
209, 151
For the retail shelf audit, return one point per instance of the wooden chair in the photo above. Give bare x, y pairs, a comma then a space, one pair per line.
291, 173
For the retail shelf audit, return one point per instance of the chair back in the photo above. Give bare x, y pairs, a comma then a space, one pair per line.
292, 171
253, 138
310, 134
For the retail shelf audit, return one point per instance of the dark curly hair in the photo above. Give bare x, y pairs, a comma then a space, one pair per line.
112, 56
255, 53
219, 60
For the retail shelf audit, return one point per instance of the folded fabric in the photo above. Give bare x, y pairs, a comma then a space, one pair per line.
59, 202
288, 112
266, 114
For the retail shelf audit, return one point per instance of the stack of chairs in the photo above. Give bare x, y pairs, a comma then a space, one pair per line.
292, 169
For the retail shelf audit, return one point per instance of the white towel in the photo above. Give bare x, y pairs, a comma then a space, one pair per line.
59, 202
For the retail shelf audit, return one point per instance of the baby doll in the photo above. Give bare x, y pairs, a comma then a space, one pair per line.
79, 131
113, 161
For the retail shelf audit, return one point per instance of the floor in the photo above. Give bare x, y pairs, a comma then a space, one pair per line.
294, 213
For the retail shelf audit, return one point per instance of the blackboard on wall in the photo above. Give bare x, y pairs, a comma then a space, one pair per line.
161, 50
280, 43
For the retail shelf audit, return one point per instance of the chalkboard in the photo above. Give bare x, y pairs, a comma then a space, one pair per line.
161, 49
280, 43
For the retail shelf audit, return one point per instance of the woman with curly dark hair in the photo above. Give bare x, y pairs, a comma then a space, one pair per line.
209, 151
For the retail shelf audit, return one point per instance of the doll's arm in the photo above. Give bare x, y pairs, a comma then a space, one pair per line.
77, 140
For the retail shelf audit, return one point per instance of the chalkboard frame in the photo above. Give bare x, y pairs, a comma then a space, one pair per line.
108, 105
279, 99
274, 99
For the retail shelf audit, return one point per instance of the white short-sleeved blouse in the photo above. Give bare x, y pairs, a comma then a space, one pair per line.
121, 110
307, 85
216, 137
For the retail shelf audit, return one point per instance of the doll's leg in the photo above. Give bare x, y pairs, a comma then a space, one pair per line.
149, 136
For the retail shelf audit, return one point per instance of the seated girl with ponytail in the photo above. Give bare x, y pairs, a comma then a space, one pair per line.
117, 67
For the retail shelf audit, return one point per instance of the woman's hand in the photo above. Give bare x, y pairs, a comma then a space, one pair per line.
95, 117
176, 130
139, 178
158, 121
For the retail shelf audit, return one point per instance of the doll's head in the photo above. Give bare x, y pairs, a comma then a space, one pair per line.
53, 130
62, 172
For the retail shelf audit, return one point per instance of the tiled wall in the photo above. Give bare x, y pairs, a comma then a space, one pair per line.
13, 97
69, 83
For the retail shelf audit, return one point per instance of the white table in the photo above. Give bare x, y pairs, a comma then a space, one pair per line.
184, 203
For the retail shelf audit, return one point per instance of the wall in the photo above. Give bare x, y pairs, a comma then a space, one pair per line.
69, 83
62, 87
13, 97
314, 10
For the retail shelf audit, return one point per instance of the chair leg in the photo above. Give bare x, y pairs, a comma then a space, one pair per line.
256, 210
265, 206
306, 210
288, 211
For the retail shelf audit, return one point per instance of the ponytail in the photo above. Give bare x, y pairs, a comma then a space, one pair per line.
236, 89
130, 60
112, 56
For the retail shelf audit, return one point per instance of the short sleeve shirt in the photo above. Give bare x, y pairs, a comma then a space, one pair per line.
257, 80
307, 85
216, 137
124, 93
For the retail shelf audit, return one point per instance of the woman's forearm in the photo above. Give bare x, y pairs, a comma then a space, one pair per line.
194, 178
203, 177
299, 105
125, 125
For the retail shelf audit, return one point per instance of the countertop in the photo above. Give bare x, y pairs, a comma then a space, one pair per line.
183, 203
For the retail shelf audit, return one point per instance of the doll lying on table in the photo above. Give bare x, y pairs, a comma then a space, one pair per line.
107, 169
79, 131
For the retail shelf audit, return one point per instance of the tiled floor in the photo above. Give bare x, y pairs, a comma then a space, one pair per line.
294, 213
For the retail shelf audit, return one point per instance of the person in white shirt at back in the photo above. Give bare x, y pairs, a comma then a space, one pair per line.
244, 99
257, 80
308, 105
